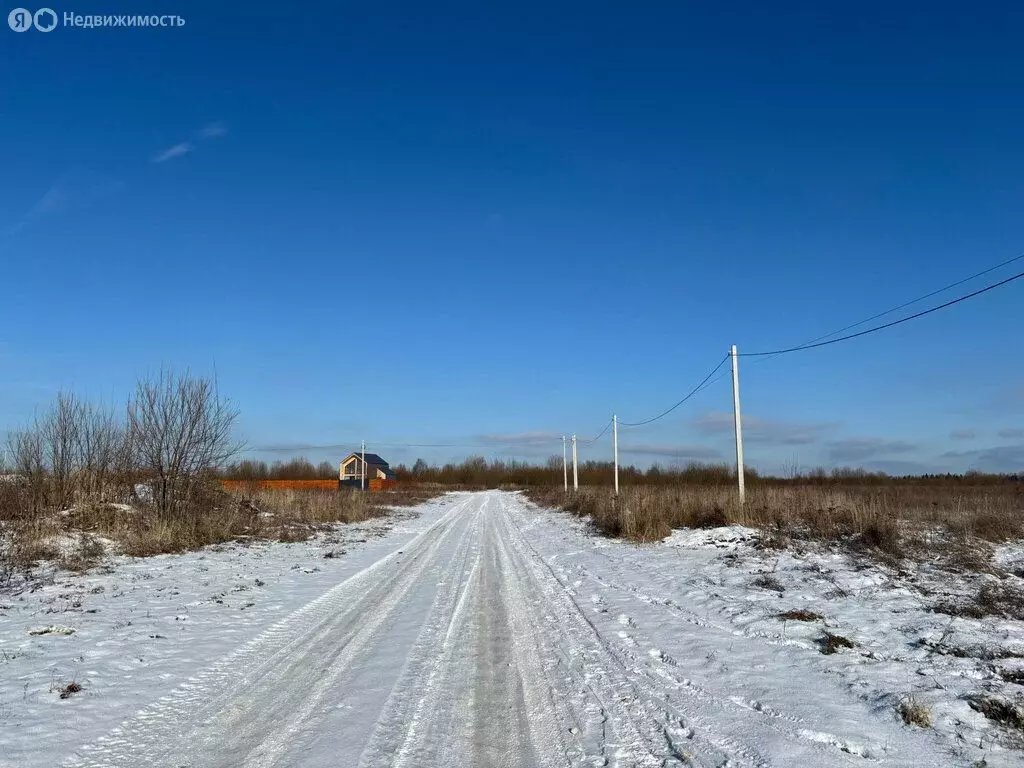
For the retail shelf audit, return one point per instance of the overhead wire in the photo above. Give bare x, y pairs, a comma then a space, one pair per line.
599, 434
877, 328
906, 304
669, 410
820, 341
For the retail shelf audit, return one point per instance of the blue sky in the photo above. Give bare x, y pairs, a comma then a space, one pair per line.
488, 224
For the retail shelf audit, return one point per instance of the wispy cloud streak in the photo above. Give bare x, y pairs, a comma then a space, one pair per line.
171, 152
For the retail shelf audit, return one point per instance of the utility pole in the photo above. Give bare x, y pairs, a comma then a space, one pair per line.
615, 441
575, 475
362, 481
737, 421
565, 467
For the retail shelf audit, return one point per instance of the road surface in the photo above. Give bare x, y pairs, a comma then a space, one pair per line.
470, 646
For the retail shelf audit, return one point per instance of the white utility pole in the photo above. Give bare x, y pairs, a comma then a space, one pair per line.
737, 421
615, 440
575, 475
362, 481
565, 467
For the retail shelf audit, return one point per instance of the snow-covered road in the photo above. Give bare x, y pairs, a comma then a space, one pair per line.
472, 643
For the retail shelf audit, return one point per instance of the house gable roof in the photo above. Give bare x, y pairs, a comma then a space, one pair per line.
371, 458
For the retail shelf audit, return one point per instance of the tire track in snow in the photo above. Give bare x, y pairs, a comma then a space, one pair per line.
154, 735
651, 728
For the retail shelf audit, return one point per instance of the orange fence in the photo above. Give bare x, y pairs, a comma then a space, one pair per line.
375, 484
284, 485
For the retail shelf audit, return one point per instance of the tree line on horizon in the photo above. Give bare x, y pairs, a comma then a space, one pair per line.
477, 471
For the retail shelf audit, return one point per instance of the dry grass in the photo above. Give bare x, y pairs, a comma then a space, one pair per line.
70, 689
800, 615
993, 599
915, 712
215, 516
1003, 711
830, 643
769, 582
889, 521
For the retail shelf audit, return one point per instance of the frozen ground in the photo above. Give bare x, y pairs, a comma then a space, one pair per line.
485, 632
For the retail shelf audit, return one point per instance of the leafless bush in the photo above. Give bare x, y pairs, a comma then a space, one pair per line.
104, 455
29, 456
60, 433
915, 712
87, 553
179, 430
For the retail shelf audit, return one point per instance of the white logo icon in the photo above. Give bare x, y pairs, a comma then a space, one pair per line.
45, 19
20, 20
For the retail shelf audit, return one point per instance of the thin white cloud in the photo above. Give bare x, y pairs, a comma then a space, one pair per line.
963, 434
171, 152
213, 130
692, 452
519, 438
863, 448
77, 188
765, 431
1000, 458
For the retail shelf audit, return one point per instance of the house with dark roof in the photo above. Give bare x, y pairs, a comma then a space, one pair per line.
350, 472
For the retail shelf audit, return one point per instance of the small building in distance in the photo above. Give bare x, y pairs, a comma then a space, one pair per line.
378, 473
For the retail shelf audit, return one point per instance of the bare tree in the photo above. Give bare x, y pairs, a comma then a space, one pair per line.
28, 456
60, 431
102, 456
180, 430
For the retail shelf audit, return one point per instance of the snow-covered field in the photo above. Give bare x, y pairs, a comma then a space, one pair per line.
482, 631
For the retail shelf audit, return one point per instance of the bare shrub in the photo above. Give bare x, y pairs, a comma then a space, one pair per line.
915, 712
179, 430
29, 455
87, 553
60, 434
104, 457
30, 543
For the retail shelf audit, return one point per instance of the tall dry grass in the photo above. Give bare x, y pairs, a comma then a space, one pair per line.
894, 519
215, 516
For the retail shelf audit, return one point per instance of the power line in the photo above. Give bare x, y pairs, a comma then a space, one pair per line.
914, 316
599, 435
667, 411
918, 299
497, 444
